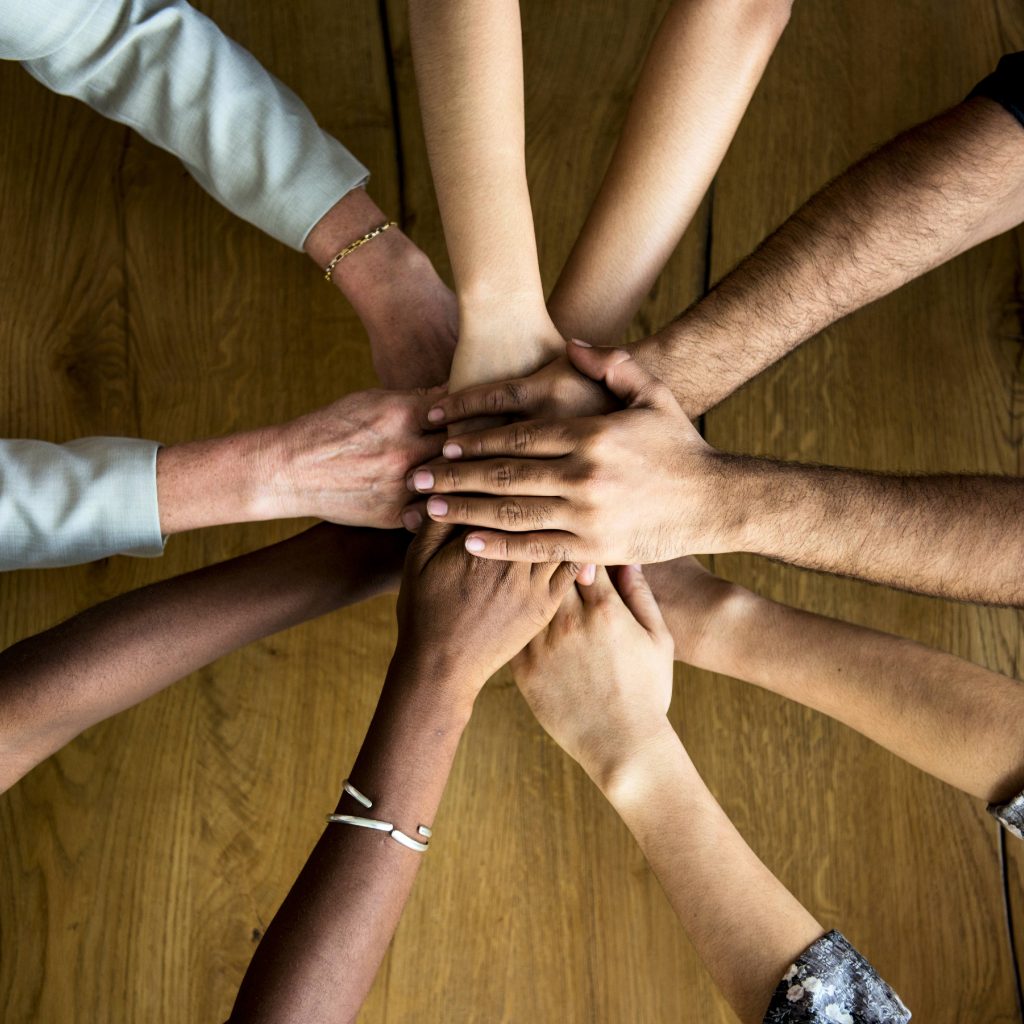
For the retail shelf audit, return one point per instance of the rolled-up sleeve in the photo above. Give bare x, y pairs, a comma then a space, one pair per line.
76, 502
1005, 85
166, 70
831, 983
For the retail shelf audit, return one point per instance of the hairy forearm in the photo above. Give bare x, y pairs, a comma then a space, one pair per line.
319, 956
928, 195
700, 73
745, 925
948, 536
949, 717
115, 655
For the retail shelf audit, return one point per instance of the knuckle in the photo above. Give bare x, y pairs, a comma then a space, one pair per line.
503, 474
538, 551
511, 513
452, 476
522, 437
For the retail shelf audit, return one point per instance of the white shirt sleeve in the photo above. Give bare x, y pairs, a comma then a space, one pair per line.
167, 71
63, 504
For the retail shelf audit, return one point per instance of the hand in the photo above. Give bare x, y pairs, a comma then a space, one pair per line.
346, 463
640, 485
464, 617
556, 391
599, 678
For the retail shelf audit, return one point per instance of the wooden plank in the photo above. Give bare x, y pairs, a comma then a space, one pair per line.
921, 381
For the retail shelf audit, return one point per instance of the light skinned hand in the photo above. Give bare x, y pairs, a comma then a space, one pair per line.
556, 391
599, 677
348, 462
635, 486
460, 618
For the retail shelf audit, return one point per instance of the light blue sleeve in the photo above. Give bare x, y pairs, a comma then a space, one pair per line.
166, 70
62, 504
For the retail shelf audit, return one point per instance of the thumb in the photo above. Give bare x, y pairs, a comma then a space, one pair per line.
620, 373
638, 597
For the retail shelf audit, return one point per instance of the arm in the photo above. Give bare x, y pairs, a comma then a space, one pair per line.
574, 487
920, 200
697, 80
95, 497
948, 717
925, 197
164, 69
599, 680
457, 626
469, 71
56, 684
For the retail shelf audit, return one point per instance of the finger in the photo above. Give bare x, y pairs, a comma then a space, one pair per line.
601, 589
537, 477
532, 438
588, 573
518, 513
540, 546
430, 538
424, 448
512, 397
639, 599
413, 515
620, 372
562, 580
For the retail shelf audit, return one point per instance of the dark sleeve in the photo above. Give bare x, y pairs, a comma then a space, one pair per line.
1010, 815
831, 983
1005, 85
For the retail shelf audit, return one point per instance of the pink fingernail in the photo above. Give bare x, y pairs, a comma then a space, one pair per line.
411, 519
452, 450
637, 568
423, 479
475, 544
436, 414
437, 506
582, 344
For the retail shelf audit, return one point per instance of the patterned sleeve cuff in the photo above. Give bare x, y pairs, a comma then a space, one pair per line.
1010, 815
1005, 85
831, 983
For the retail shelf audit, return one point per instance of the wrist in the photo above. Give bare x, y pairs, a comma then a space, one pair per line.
618, 766
436, 682
209, 483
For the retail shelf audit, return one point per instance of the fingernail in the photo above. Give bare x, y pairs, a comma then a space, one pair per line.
637, 568
423, 479
411, 519
474, 544
588, 573
451, 450
582, 344
436, 414
437, 506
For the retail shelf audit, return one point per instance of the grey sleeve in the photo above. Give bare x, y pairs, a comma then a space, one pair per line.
76, 502
166, 70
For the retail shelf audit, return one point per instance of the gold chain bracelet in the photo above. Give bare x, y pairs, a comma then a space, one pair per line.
351, 248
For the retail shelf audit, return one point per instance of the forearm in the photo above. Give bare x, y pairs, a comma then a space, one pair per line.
469, 71
700, 73
745, 925
319, 956
115, 655
949, 536
920, 200
949, 717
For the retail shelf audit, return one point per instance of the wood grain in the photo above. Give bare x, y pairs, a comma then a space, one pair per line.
142, 863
